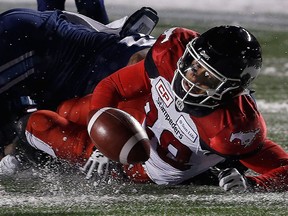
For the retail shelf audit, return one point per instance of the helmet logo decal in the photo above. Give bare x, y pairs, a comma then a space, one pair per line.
244, 138
167, 34
204, 54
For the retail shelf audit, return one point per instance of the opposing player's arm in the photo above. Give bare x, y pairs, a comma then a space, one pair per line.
272, 163
138, 56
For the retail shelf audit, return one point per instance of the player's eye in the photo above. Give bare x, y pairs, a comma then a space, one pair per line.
194, 68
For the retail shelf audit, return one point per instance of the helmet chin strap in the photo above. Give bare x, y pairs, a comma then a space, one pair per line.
179, 104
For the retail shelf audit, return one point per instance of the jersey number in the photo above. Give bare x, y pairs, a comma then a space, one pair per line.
173, 152
170, 149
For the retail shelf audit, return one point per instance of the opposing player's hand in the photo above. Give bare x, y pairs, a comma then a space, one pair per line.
231, 180
9, 165
96, 161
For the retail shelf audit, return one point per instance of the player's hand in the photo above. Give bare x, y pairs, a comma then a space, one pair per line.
9, 165
231, 180
96, 160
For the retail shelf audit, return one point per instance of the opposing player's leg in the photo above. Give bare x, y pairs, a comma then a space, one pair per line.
19, 29
19, 33
44, 5
94, 9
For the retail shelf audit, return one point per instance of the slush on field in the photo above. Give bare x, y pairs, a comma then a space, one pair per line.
53, 191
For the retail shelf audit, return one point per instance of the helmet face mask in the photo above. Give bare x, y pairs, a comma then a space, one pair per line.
222, 75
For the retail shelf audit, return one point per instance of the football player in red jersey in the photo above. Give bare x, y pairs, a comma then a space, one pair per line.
191, 94
198, 109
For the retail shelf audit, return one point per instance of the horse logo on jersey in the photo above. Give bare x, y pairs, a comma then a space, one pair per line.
164, 93
167, 34
245, 138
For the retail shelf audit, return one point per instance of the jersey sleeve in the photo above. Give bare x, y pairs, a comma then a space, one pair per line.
134, 81
241, 129
126, 84
272, 165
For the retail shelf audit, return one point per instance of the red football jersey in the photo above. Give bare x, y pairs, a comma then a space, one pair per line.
240, 126
184, 145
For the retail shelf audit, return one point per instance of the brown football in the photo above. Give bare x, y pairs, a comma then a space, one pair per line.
119, 136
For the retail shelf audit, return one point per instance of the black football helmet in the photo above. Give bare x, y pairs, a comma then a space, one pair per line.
231, 54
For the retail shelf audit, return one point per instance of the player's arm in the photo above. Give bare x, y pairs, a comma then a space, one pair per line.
77, 109
126, 84
138, 56
272, 164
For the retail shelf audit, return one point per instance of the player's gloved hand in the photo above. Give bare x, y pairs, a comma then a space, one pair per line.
9, 165
96, 160
231, 180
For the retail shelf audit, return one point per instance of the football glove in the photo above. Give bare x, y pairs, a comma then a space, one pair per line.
9, 165
96, 160
231, 180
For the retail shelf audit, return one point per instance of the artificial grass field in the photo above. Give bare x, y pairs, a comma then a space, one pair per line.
45, 192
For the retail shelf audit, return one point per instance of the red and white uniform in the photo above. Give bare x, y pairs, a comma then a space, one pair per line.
176, 153
183, 145
62, 134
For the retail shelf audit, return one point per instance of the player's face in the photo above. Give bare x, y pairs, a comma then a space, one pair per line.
197, 79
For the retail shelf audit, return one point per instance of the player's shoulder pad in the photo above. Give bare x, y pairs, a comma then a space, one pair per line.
176, 33
166, 51
242, 130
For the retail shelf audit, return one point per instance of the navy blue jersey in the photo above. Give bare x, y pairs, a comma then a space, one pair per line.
44, 60
44, 56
